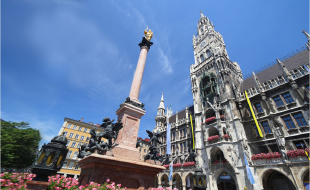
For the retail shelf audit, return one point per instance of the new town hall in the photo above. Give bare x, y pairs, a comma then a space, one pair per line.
273, 141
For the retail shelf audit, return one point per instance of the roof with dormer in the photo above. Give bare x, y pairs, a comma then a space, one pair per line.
182, 114
275, 71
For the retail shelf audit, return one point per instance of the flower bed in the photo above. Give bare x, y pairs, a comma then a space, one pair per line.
187, 164
226, 136
18, 181
296, 153
15, 180
212, 138
266, 156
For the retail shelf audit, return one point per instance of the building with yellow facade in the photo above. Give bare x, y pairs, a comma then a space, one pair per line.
77, 133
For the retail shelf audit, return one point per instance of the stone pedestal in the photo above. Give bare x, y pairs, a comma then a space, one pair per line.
130, 116
131, 174
37, 185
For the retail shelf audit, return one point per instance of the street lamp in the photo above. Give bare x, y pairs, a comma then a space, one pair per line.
199, 179
50, 158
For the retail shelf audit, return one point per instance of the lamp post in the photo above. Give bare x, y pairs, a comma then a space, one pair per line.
50, 158
199, 179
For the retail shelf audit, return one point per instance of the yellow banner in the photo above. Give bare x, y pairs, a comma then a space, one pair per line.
257, 126
307, 155
192, 132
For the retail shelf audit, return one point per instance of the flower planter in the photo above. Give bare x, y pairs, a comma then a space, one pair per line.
188, 164
266, 156
212, 138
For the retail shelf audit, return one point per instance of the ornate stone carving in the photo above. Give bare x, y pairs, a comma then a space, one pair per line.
110, 132
128, 101
153, 153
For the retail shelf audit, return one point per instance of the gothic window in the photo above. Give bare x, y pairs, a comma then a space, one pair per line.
288, 122
264, 149
258, 108
256, 130
181, 147
300, 119
273, 148
278, 101
288, 98
202, 58
208, 53
300, 144
266, 127
249, 110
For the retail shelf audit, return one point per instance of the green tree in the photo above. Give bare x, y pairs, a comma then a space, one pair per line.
19, 143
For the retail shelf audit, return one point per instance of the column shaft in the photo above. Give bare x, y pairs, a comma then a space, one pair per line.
137, 79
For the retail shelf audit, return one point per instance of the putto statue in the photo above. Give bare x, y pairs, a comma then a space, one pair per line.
110, 132
153, 153
148, 34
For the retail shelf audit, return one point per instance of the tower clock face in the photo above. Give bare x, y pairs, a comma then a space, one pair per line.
202, 44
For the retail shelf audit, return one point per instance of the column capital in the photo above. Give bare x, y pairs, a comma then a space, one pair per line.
146, 43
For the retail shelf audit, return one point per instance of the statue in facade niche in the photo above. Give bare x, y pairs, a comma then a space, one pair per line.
110, 132
153, 153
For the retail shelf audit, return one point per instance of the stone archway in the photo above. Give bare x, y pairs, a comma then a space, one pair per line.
177, 181
156, 182
164, 180
305, 180
189, 181
275, 180
226, 181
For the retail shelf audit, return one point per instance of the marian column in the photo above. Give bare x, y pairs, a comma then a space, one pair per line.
131, 111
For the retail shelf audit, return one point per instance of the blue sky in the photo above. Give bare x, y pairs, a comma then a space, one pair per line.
65, 58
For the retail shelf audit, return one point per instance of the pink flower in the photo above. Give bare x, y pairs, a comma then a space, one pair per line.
91, 183
98, 185
119, 185
94, 189
108, 180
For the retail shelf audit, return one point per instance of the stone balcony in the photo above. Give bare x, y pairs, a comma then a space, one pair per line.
279, 161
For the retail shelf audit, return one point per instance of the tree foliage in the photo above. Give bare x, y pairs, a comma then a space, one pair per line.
19, 143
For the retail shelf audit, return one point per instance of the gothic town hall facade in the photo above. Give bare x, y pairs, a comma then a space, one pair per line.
275, 141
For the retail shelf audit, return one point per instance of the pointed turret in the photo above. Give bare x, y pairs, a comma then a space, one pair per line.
308, 37
160, 118
258, 84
